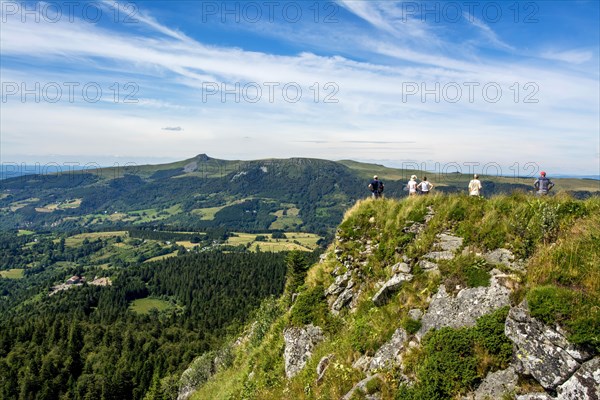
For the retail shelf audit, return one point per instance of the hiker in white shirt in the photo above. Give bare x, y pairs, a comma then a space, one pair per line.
475, 186
412, 186
425, 186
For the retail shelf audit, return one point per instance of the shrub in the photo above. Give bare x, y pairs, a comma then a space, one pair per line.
450, 366
373, 386
489, 334
410, 325
550, 304
310, 307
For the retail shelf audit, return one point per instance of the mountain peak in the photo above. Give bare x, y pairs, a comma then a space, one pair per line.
202, 157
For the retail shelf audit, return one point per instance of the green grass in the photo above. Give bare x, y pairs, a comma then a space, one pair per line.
15, 273
158, 258
287, 220
294, 241
25, 232
143, 306
208, 213
77, 240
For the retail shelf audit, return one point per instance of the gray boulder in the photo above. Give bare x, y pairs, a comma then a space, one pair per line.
390, 287
199, 371
344, 299
439, 255
299, 344
541, 351
535, 396
322, 366
448, 242
415, 314
401, 267
390, 353
495, 385
428, 266
361, 387
584, 384
339, 284
362, 363
464, 309
504, 257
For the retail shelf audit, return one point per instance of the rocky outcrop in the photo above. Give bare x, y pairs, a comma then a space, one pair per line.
584, 384
417, 227
299, 345
464, 309
362, 387
495, 385
541, 351
534, 396
444, 248
504, 257
390, 287
362, 363
201, 369
390, 353
323, 365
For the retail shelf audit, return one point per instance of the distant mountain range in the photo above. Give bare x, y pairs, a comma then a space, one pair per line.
203, 192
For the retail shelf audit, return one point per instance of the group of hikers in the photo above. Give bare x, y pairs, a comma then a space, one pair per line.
542, 186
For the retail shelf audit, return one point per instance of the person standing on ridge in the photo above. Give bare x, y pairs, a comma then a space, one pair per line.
425, 186
376, 187
543, 185
412, 186
475, 186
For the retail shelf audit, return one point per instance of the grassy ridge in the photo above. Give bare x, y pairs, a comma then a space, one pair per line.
557, 237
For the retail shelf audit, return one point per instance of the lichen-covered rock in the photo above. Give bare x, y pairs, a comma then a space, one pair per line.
339, 284
584, 384
495, 385
323, 365
439, 255
464, 309
361, 386
362, 363
415, 314
428, 266
448, 242
541, 351
345, 298
535, 396
401, 267
390, 353
447, 245
199, 371
503, 257
390, 287
299, 344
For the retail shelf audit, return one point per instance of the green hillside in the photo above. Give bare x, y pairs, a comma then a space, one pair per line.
551, 260
297, 194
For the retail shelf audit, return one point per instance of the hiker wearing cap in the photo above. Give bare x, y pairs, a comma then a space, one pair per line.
424, 186
475, 186
543, 185
376, 187
412, 186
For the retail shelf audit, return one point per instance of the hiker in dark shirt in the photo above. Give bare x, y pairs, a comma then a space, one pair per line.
376, 187
543, 185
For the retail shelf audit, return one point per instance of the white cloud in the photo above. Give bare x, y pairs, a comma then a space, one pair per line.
575, 56
170, 69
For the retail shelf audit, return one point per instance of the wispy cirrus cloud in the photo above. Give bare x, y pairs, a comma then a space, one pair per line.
172, 66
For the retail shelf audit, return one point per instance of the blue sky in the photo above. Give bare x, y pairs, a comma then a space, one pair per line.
432, 83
